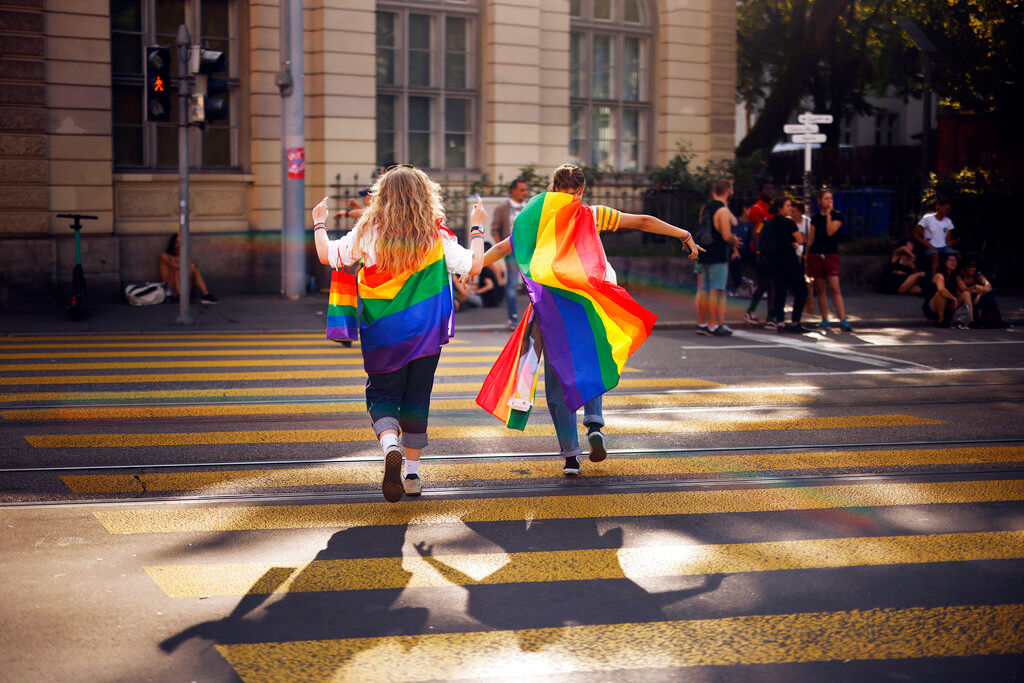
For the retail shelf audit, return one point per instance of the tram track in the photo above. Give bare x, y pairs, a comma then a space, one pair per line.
559, 487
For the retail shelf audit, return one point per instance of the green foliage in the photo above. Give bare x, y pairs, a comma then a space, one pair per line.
679, 173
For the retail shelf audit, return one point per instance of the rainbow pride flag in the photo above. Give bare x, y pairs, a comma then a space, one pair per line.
589, 326
342, 311
405, 317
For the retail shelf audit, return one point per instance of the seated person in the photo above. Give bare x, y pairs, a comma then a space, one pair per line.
170, 273
983, 301
466, 296
489, 288
902, 275
941, 296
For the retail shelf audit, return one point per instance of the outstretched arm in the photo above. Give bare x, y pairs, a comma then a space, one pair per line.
498, 251
639, 221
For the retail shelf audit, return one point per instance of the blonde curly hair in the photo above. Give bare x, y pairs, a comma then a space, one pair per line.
404, 210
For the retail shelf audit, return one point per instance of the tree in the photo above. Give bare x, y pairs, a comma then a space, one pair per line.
786, 38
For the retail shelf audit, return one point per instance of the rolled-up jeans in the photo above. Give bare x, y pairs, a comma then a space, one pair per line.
512, 279
564, 419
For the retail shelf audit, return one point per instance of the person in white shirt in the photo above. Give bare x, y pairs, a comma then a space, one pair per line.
932, 231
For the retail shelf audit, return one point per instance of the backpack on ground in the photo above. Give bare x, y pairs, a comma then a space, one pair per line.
145, 294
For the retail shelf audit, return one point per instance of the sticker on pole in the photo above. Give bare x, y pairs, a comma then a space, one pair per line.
296, 163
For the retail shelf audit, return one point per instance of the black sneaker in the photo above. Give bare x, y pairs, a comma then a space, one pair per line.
392, 486
703, 329
571, 468
209, 299
598, 452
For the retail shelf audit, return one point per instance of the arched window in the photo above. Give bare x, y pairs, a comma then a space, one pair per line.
609, 83
426, 83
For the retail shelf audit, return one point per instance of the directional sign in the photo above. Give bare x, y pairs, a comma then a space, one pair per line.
813, 137
814, 118
793, 128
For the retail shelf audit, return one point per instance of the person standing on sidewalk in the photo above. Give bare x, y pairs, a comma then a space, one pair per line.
501, 227
713, 265
583, 324
760, 213
405, 287
787, 268
823, 260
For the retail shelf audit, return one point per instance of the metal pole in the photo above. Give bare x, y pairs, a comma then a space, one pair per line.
807, 176
183, 41
293, 183
926, 114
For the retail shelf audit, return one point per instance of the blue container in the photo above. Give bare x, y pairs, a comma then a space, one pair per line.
867, 212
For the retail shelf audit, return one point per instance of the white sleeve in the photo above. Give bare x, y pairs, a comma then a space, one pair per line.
458, 259
339, 251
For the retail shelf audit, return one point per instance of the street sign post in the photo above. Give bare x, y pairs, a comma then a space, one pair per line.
797, 128
814, 118
806, 132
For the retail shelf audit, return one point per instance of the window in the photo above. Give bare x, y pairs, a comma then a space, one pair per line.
134, 24
609, 95
426, 93
885, 129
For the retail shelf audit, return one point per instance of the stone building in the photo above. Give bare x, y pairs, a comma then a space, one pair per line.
459, 87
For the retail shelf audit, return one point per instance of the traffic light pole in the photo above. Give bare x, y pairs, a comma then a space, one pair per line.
183, 42
293, 161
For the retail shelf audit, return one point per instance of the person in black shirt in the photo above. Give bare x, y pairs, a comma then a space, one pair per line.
823, 260
488, 288
785, 265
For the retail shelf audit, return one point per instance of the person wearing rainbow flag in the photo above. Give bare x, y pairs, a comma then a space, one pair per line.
583, 324
405, 287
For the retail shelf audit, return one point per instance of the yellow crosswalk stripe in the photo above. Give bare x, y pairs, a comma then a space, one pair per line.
631, 426
177, 519
330, 350
216, 376
438, 472
874, 634
326, 390
196, 580
151, 412
221, 363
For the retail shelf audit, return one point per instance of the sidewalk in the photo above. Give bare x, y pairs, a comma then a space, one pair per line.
255, 313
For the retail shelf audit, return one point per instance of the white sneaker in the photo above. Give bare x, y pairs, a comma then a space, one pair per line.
391, 486
413, 485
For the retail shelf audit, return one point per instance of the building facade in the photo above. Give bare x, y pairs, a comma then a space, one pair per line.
461, 88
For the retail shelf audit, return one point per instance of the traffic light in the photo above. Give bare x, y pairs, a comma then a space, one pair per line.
158, 83
204, 105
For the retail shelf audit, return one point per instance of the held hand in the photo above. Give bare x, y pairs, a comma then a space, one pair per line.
320, 212
694, 248
479, 215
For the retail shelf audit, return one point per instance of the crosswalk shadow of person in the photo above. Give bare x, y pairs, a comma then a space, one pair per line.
512, 598
307, 611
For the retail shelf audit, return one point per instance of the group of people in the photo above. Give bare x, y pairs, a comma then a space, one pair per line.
407, 296
929, 264
783, 247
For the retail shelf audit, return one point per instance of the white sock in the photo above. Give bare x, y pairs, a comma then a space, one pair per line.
388, 442
412, 467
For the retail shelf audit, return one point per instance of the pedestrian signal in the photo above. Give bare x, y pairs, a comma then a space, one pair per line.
158, 81
205, 104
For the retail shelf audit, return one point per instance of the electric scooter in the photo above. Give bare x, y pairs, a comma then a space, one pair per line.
76, 307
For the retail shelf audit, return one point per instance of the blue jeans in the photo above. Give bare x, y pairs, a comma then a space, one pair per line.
565, 421
512, 280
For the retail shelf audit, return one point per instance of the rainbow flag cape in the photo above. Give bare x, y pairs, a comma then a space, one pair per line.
342, 310
405, 317
589, 326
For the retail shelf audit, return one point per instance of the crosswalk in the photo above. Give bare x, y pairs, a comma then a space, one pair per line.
650, 564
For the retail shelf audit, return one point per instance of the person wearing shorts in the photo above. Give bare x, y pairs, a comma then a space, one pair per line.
823, 260
713, 265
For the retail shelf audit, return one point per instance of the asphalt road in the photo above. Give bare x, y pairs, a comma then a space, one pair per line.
207, 507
